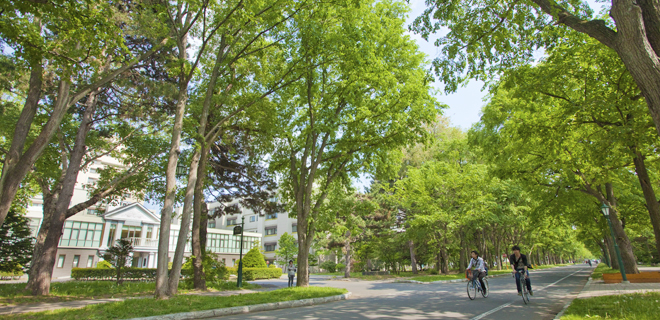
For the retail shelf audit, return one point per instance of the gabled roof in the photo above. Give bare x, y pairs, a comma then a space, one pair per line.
132, 212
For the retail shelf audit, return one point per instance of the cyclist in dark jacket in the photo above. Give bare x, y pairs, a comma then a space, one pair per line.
519, 262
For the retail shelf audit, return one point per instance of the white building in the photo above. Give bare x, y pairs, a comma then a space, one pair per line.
89, 233
271, 226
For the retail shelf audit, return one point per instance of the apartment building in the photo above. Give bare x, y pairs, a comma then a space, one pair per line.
88, 234
271, 226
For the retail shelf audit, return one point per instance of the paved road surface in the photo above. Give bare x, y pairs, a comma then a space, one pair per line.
381, 300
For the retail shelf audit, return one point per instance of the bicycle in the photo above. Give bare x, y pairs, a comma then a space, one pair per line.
474, 285
523, 286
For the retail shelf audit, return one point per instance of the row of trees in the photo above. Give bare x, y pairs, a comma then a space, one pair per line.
322, 90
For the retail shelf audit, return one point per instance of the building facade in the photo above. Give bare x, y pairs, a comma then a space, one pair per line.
88, 234
272, 227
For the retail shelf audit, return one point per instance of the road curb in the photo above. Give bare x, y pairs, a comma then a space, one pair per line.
246, 309
448, 281
568, 304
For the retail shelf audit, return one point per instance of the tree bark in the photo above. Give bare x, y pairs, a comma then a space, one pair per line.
199, 279
625, 247
413, 261
347, 271
463, 259
162, 276
652, 204
177, 262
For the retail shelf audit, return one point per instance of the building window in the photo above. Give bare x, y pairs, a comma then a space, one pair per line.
271, 231
60, 261
90, 261
233, 262
111, 234
81, 234
211, 223
253, 218
94, 212
232, 222
76, 261
131, 232
92, 170
150, 232
269, 247
224, 261
294, 228
271, 216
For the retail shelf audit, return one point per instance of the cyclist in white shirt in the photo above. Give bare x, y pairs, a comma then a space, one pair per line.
478, 268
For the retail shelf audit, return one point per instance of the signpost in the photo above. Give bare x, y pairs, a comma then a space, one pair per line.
239, 230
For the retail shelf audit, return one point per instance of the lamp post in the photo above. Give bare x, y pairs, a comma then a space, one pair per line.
606, 212
239, 230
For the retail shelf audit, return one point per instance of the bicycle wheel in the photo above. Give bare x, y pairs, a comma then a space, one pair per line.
523, 285
471, 290
485, 291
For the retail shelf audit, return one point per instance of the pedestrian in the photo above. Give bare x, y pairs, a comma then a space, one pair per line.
291, 269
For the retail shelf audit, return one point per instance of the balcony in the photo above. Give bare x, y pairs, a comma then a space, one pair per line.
139, 242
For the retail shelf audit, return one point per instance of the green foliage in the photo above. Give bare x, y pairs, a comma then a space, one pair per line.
433, 271
639, 306
340, 266
103, 265
329, 266
15, 243
253, 259
89, 274
214, 270
287, 249
250, 274
118, 256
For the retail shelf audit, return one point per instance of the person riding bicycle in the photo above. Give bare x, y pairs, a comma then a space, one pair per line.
519, 262
479, 270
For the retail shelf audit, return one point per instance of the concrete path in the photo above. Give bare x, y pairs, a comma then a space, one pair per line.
597, 288
553, 288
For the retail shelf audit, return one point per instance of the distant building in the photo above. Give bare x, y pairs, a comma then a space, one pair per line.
89, 233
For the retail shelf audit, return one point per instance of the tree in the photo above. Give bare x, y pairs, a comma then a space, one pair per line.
119, 256
15, 242
253, 259
363, 91
287, 249
488, 36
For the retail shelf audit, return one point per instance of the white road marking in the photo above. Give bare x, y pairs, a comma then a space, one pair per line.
512, 301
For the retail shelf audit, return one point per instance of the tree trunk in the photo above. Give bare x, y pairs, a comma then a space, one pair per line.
199, 278
177, 262
304, 244
463, 258
203, 226
162, 277
625, 247
652, 204
413, 261
614, 263
347, 271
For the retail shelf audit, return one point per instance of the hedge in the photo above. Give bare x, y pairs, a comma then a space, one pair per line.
111, 274
250, 274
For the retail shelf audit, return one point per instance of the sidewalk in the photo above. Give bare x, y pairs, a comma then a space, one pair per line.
37, 307
597, 288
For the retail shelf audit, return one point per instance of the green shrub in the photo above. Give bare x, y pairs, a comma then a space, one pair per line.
250, 274
232, 270
213, 269
104, 265
433, 271
111, 274
253, 259
272, 265
329, 266
11, 274
341, 267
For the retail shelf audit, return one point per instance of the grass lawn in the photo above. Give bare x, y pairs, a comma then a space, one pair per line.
13, 293
600, 269
639, 306
133, 308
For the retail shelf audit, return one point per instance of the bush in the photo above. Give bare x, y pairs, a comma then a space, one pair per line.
341, 267
213, 269
232, 270
250, 274
11, 275
253, 259
329, 266
433, 271
272, 266
111, 274
103, 265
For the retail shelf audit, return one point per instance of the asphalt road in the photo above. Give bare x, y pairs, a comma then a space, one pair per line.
553, 288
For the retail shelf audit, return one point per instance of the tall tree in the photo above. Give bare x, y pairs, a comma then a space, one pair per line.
364, 91
488, 36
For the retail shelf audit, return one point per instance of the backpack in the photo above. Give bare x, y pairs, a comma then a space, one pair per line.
486, 267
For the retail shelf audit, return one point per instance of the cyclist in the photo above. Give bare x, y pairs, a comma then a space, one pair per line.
519, 262
479, 270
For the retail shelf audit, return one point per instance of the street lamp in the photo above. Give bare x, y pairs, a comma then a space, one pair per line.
606, 212
181, 170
